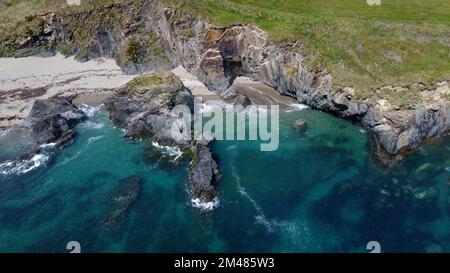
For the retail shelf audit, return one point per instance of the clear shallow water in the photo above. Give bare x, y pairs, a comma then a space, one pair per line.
320, 191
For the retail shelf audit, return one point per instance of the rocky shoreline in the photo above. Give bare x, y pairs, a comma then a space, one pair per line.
50, 122
218, 55
144, 108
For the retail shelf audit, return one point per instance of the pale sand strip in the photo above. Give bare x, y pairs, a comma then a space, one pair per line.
24, 80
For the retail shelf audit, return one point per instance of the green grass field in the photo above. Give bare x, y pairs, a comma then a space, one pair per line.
398, 42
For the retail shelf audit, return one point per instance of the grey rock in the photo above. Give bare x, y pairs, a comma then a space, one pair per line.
143, 107
203, 175
49, 121
299, 125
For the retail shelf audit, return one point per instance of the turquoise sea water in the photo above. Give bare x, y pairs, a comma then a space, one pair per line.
321, 191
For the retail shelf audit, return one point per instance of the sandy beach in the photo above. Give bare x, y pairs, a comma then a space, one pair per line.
24, 80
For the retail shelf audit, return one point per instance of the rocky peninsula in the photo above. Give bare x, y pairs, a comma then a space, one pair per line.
143, 108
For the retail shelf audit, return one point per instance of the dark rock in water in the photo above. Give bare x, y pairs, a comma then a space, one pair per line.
52, 120
143, 107
203, 174
300, 125
49, 121
121, 200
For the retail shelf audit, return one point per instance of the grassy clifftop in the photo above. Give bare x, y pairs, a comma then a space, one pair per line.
397, 42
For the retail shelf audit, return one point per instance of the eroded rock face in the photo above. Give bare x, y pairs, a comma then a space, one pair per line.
243, 50
49, 121
400, 131
53, 119
143, 107
203, 175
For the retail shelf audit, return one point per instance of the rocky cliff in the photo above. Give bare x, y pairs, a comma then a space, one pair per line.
144, 35
145, 107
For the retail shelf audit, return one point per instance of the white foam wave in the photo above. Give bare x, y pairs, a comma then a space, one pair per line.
297, 107
23, 166
89, 110
93, 139
447, 169
168, 150
205, 206
48, 145
271, 224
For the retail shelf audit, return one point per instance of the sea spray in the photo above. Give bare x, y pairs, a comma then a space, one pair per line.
90, 111
205, 206
168, 150
296, 107
22, 166
271, 224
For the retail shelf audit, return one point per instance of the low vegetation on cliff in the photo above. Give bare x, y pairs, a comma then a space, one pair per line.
397, 42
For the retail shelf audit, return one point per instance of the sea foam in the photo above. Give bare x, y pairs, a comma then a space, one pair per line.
168, 150
297, 107
205, 206
23, 166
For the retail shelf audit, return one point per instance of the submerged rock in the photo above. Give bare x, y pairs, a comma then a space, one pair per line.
300, 125
203, 175
121, 200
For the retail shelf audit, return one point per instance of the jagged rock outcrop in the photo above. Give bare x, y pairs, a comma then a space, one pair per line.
143, 107
203, 175
52, 120
49, 121
244, 50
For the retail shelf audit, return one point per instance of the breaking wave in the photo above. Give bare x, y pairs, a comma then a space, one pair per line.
205, 206
89, 110
297, 107
271, 225
23, 166
93, 139
168, 150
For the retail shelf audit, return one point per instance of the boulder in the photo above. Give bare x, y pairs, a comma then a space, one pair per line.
143, 106
300, 125
49, 121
